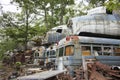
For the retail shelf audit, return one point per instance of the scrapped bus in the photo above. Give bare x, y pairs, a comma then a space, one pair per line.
57, 33
97, 21
72, 49
50, 54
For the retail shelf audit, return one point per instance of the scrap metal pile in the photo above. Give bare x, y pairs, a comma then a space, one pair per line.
98, 71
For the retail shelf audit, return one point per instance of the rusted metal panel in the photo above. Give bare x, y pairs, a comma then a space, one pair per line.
99, 71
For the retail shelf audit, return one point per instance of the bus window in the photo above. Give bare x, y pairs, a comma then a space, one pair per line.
86, 50
69, 50
107, 51
97, 50
117, 51
36, 54
47, 53
57, 52
61, 52
52, 52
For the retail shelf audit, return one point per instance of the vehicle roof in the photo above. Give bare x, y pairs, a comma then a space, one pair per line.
98, 40
106, 17
94, 40
60, 27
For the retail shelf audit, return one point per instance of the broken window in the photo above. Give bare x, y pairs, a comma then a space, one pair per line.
59, 30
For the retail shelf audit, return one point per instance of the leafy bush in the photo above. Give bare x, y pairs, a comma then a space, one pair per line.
18, 64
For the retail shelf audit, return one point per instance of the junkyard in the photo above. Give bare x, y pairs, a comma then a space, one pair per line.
49, 40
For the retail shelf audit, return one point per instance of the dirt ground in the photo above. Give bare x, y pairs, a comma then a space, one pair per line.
5, 71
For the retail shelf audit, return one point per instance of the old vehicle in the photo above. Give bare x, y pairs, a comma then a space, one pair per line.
37, 55
98, 22
50, 56
57, 33
72, 49
95, 37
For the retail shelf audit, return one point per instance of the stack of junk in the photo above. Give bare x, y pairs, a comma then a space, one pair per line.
97, 23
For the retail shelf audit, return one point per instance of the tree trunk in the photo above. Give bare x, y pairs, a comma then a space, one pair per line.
46, 23
52, 22
62, 13
27, 26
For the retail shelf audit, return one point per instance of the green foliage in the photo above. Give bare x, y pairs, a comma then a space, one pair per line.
96, 3
36, 18
113, 5
5, 45
18, 64
37, 30
14, 31
53, 11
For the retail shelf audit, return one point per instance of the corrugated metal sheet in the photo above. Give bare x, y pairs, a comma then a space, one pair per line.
42, 75
57, 33
97, 23
55, 37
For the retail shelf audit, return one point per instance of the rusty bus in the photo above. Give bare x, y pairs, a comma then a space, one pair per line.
72, 49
